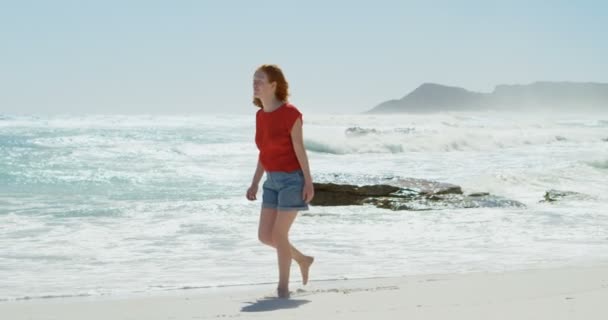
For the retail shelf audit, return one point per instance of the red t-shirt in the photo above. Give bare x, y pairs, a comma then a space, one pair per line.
273, 138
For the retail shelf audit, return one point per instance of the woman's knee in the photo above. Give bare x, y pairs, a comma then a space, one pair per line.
266, 239
279, 236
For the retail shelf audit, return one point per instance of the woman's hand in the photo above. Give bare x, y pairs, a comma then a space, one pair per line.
309, 192
251, 192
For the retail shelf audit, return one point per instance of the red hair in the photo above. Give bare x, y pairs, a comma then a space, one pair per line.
274, 74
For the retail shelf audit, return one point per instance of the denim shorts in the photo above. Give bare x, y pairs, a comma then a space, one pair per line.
283, 191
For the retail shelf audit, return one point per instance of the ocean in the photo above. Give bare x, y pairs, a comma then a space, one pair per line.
111, 205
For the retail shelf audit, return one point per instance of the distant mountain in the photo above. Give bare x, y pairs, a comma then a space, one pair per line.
430, 97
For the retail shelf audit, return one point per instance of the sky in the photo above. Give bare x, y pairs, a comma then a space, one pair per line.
190, 57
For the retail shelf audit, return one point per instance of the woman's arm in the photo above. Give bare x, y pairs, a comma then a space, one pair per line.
297, 139
257, 176
259, 172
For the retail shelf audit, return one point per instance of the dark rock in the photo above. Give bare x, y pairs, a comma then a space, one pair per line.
436, 202
479, 194
554, 195
405, 194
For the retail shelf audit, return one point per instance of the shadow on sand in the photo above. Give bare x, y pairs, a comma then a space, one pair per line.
271, 304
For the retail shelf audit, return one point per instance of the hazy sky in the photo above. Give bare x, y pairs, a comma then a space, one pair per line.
339, 56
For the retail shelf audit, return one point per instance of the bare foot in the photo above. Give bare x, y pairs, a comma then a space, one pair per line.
283, 293
304, 267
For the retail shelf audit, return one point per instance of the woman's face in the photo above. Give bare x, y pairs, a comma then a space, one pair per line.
261, 87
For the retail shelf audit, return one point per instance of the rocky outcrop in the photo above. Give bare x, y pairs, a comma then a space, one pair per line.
555, 195
432, 97
405, 194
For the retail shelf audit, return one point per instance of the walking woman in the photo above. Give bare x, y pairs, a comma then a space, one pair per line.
288, 186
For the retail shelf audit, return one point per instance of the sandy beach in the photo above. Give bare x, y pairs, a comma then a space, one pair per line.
447, 160
565, 293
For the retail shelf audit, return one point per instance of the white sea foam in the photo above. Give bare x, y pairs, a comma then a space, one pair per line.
120, 204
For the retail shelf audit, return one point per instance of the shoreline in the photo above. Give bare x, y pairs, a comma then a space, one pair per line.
294, 283
550, 293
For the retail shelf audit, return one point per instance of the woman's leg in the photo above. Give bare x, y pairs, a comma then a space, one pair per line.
280, 237
267, 222
267, 218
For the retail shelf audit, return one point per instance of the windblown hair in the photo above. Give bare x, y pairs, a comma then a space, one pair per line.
274, 74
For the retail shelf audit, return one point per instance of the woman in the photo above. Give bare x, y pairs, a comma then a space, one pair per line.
288, 187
